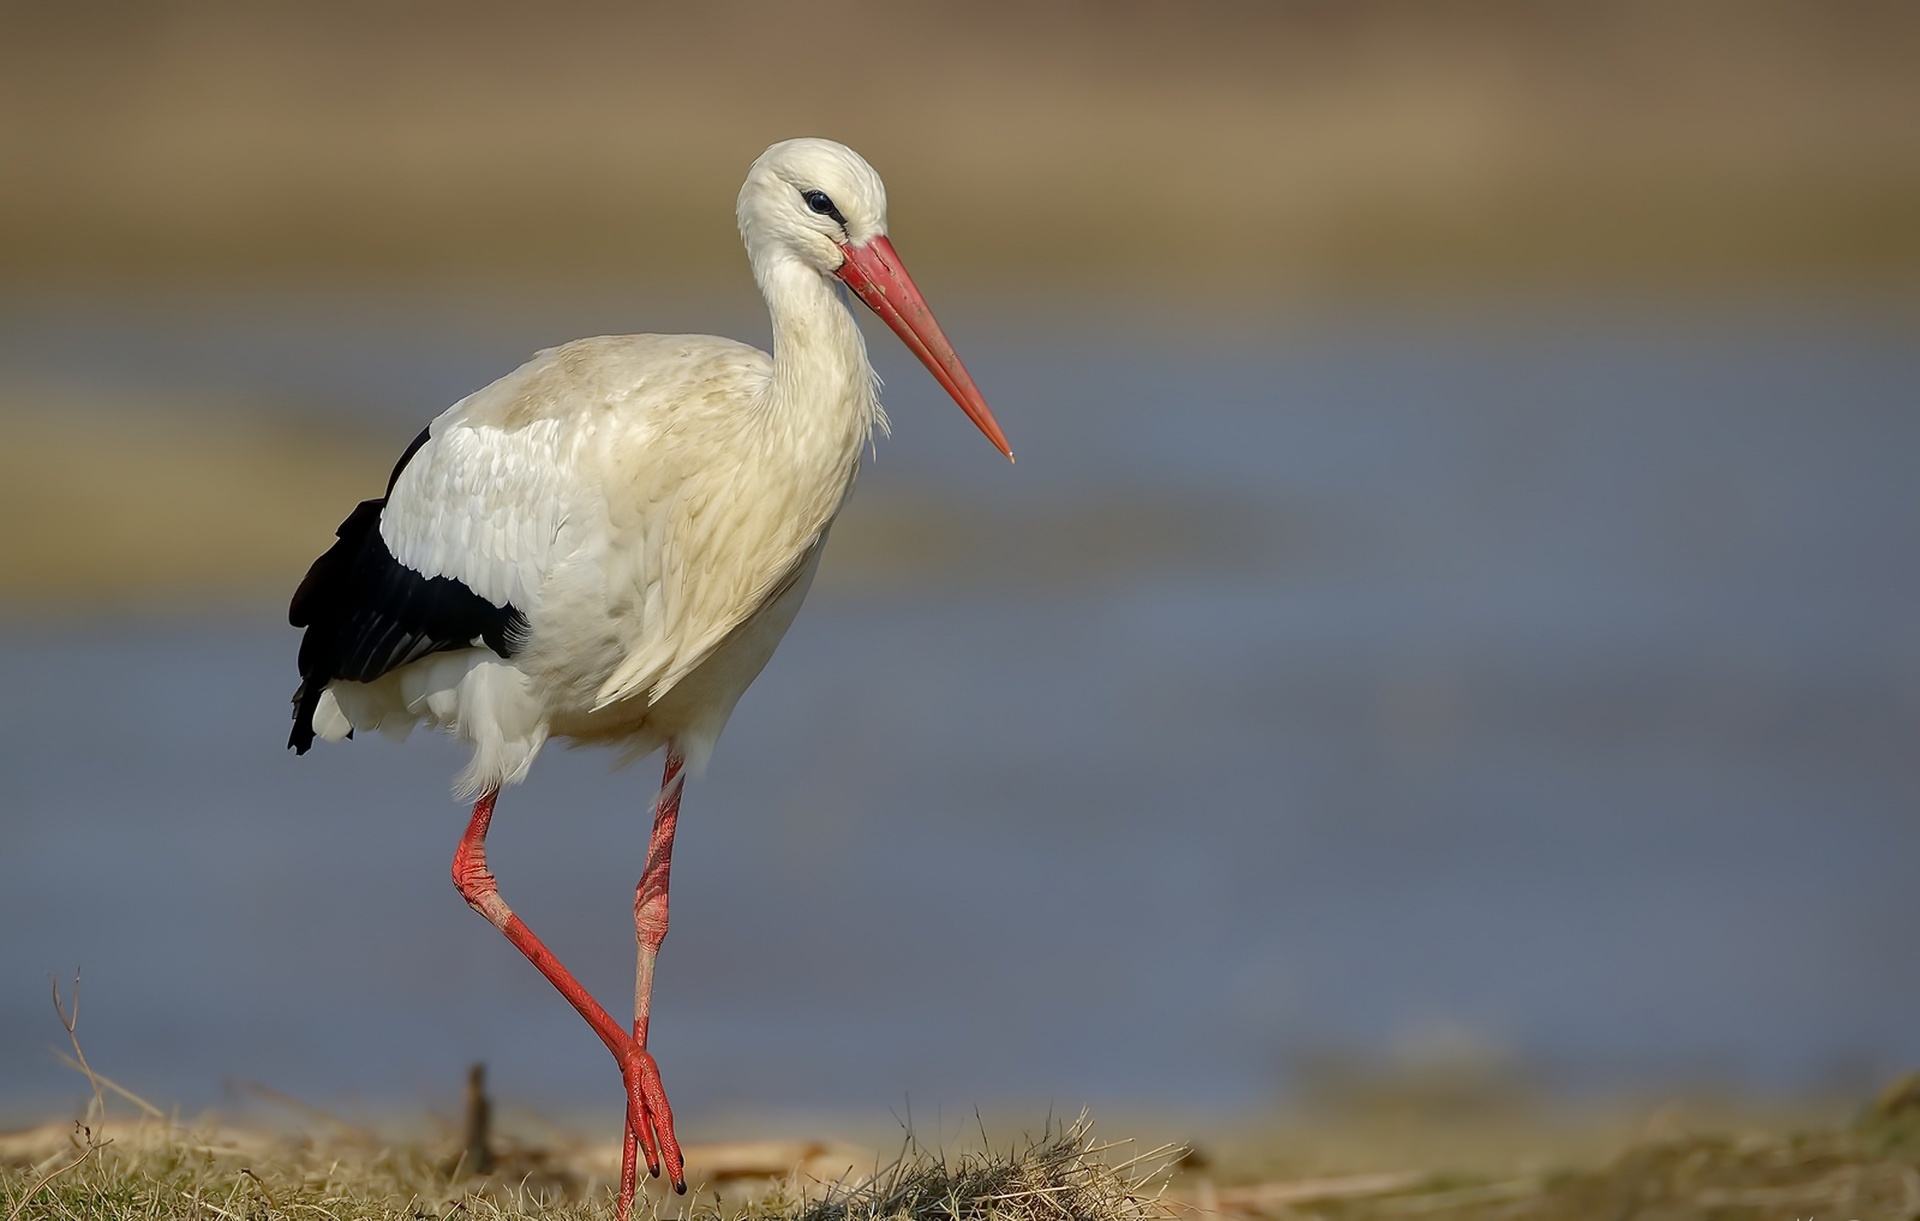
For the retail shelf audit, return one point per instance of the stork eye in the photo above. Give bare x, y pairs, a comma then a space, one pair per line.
818, 201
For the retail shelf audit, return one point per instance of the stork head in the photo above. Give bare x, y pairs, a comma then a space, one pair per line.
811, 198
821, 204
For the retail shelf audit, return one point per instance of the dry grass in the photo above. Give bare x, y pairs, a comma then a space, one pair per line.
1065, 1176
1870, 1169
166, 1172
156, 1171
154, 1168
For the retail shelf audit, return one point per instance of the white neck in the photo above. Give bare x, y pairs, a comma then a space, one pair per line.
822, 382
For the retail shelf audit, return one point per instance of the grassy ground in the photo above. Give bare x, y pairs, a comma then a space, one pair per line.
156, 1170
1868, 1167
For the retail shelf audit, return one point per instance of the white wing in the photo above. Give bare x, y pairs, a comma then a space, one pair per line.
507, 468
485, 499
484, 506
606, 489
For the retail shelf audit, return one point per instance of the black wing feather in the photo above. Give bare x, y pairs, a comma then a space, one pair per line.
366, 613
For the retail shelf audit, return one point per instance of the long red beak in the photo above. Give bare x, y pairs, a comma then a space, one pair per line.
875, 273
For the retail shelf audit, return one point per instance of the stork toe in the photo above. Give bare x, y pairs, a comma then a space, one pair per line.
649, 1128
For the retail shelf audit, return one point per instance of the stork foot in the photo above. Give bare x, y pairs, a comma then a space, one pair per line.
649, 1129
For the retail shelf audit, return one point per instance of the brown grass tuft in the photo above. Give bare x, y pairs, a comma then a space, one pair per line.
1063, 1176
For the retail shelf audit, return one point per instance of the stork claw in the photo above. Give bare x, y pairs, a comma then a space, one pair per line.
649, 1129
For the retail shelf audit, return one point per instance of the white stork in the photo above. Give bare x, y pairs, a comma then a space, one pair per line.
606, 544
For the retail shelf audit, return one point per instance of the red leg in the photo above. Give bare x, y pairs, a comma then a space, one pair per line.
646, 1100
650, 929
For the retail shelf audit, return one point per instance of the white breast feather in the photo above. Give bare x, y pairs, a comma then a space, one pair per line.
733, 527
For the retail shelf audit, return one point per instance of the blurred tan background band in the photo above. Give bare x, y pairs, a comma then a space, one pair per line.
1272, 149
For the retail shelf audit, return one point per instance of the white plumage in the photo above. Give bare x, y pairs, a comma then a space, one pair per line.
654, 505
639, 499
606, 544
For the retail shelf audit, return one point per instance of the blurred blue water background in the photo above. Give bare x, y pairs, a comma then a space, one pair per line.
1543, 678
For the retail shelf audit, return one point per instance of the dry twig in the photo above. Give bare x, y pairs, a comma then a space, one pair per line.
90, 1140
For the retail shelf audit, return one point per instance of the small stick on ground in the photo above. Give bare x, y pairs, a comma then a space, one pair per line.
70, 1019
478, 1155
